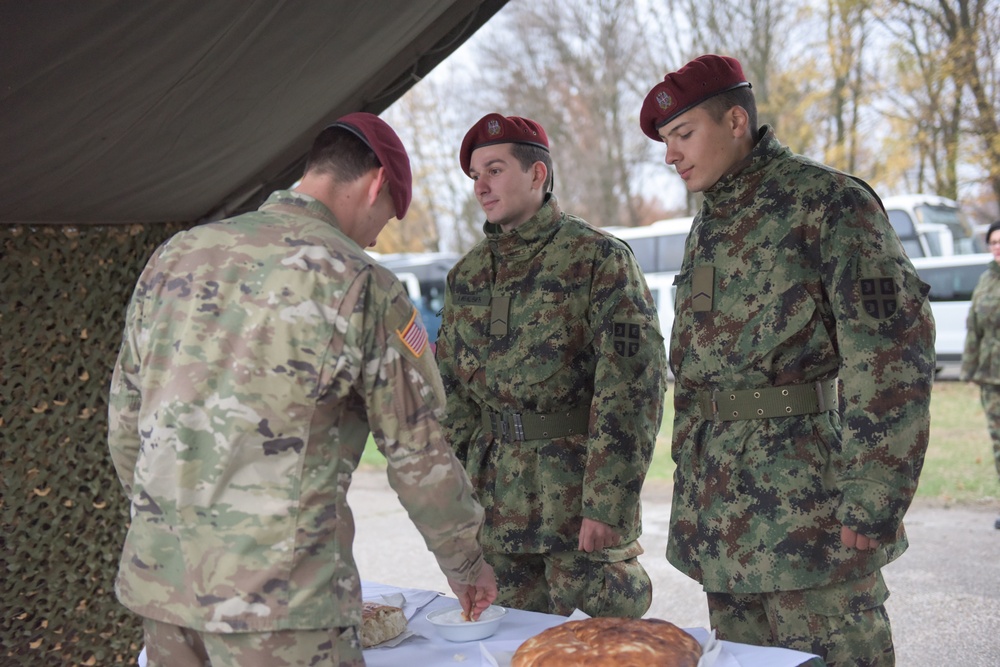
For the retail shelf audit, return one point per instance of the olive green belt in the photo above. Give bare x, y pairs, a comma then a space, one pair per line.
519, 426
766, 402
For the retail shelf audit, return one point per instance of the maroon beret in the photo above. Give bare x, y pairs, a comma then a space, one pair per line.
702, 78
496, 129
388, 149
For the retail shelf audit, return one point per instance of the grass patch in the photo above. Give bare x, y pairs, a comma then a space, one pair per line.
958, 467
371, 457
959, 464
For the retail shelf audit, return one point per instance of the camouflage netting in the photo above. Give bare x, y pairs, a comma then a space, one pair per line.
63, 292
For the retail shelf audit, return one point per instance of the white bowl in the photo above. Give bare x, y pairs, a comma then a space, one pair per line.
449, 623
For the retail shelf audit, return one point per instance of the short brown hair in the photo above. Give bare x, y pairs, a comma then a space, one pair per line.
718, 105
342, 154
527, 155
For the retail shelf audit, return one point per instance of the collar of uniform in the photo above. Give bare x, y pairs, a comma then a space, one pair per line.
300, 203
742, 176
536, 230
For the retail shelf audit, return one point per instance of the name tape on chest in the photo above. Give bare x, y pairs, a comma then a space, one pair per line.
482, 299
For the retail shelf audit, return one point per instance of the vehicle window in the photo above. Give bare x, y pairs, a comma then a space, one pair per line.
433, 293
645, 253
902, 223
961, 230
912, 248
952, 283
671, 252
935, 244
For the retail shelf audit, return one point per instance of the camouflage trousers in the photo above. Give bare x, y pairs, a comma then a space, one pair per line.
990, 396
845, 623
173, 646
558, 583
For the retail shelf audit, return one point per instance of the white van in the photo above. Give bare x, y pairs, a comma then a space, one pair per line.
931, 226
952, 280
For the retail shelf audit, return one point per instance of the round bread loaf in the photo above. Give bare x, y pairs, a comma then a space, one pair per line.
610, 642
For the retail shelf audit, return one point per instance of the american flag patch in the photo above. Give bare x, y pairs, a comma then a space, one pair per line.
414, 335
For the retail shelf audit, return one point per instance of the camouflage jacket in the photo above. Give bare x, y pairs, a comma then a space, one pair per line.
257, 352
791, 249
981, 357
581, 330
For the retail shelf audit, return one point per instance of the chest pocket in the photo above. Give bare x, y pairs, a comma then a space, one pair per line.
754, 316
471, 333
549, 331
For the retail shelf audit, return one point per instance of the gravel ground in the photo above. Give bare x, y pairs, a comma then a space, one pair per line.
945, 603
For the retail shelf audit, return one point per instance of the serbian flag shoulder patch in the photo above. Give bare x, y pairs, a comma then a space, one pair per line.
414, 335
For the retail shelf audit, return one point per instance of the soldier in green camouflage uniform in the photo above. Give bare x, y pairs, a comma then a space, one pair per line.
554, 367
981, 357
258, 352
787, 499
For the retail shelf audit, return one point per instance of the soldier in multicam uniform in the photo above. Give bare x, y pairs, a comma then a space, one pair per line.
787, 499
554, 367
981, 357
257, 353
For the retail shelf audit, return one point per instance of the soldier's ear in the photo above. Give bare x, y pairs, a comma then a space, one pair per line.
539, 174
380, 180
739, 121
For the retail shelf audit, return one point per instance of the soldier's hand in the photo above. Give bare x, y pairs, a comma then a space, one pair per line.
852, 539
595, 535
475, 598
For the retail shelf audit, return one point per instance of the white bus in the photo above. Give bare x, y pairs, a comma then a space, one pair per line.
659, 250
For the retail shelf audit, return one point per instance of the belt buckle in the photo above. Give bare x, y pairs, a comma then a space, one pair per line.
511, 429
714, 401
518, 427
507, 425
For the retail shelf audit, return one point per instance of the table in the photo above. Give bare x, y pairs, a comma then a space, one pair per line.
429, 650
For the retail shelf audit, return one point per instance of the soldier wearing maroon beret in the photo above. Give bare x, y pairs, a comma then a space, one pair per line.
554, 367
803, 353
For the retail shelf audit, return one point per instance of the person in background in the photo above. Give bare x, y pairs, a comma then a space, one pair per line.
803, 357
981, 357
555, 369
257, 354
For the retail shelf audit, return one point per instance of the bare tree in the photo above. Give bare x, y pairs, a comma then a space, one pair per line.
576, 68
909, 100
846, 38
950, 48
756, 32
432, 132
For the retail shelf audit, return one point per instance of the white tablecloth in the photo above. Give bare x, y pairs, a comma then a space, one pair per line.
427, 649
